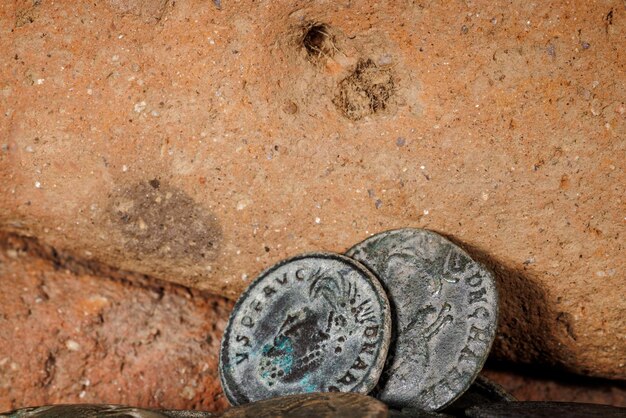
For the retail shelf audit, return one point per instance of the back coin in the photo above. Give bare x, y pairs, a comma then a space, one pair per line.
444, 308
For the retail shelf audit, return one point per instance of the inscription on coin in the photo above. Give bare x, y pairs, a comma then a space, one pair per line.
314, 323
444, 307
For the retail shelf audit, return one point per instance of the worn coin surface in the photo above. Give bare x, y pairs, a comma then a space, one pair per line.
319, 405
545, 410
444, 308
314, 323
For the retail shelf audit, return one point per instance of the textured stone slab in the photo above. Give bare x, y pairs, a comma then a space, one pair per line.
491, 125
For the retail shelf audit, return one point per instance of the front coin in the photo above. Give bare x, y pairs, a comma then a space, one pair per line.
314, 323
444, 307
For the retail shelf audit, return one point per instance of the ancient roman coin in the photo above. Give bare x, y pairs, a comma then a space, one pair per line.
314, 323
322, 405
444, 308
545, 410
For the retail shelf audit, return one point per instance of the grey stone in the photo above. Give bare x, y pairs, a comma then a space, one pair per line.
314, 323
545, 409
97, 411
444, 309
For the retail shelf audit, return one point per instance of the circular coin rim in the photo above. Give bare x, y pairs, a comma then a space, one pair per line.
490, 274
371, 379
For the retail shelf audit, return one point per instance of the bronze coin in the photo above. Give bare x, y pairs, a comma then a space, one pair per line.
444, 309
314, 323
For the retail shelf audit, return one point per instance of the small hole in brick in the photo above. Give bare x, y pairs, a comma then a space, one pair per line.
318, 41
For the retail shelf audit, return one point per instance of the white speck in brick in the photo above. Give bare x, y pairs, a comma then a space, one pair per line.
82, 394
140, 107
188, 392
29, 149
40, 81
124, 168
89, 92
318, 220
385, 59
244, 277
241, 205
115, 58
72, 345
38, 185
426, 211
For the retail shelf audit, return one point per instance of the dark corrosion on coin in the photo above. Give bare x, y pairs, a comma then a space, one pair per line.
319, 405
444, 308
314, 323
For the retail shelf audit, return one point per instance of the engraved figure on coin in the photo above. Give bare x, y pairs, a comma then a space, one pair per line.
418, 329
310, 333
444, 305
449, 268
